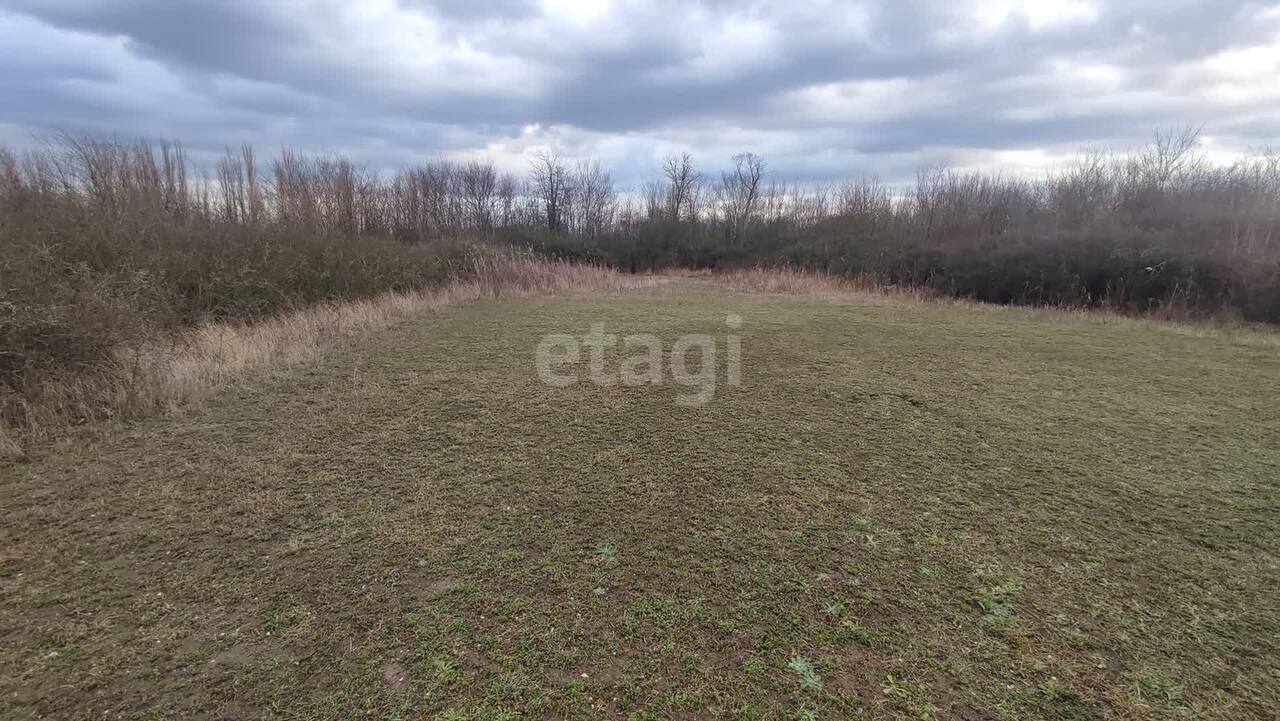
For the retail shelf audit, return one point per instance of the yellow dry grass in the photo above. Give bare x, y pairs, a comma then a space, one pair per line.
788, 280
863, 289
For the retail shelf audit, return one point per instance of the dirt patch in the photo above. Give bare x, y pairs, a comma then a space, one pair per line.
394, 675
434, 587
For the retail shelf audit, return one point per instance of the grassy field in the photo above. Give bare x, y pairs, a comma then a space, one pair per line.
904, 511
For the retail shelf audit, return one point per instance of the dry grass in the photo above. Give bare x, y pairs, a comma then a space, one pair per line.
938, 511
187, 366
867, 289
504, 275
796, 281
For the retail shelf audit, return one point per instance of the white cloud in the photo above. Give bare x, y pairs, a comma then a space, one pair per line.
1038, 14
864, 100
730, 48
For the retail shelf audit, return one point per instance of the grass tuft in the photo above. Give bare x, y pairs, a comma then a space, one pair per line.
803, 669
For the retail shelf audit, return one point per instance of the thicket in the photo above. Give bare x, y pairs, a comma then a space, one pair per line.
1160, 230
104, 243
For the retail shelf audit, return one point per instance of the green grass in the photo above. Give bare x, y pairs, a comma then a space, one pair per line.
901, 513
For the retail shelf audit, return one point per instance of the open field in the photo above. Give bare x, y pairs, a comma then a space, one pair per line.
164, 370
906, 510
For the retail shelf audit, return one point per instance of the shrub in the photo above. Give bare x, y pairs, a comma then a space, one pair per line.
102, 248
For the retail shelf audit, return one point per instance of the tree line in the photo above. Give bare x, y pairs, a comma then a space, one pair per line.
1161, 228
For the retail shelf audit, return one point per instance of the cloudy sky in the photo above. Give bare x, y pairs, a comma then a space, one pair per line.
819, 89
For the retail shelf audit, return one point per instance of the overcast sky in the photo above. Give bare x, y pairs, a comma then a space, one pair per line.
819, 89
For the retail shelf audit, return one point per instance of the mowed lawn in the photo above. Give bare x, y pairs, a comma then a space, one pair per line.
902, 512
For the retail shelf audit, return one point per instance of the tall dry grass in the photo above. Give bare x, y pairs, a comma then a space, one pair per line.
865, 289
178, 368
525, 274
803, 281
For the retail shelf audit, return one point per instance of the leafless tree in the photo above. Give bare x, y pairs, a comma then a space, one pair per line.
552, 182
739, 193
506, 193
239, 186
683, 184
594, 200
1169, 154
479, 185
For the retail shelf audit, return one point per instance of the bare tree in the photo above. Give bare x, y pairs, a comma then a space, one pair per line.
479, 185
231, 186
506, 193
683, 183
654, 201
1169, 154
740, 193
255, 205
552, 183
595, 199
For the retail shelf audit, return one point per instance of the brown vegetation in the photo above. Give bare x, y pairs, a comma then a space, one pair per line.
110, 250
165, 371
128, 284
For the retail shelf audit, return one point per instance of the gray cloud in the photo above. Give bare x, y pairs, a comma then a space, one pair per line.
248, 39
820, 89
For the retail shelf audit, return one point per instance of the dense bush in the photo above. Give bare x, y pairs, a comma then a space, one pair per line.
1160, 230
102, 244
89, 264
